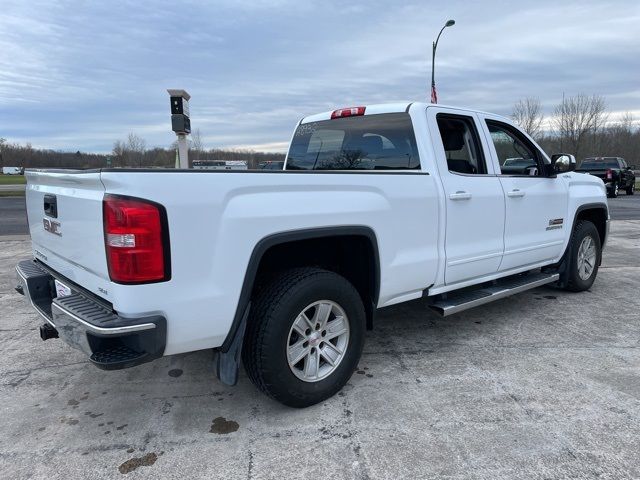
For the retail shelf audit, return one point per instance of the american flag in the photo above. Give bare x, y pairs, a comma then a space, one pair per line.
434, 95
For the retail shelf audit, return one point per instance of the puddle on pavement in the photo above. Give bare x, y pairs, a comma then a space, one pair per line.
223, 426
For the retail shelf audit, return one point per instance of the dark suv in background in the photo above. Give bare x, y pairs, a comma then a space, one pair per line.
614, 172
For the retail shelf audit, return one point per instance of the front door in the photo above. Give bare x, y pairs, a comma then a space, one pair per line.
474, 199
536, 205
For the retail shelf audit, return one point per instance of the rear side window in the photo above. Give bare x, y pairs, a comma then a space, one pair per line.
370, 142
461, 145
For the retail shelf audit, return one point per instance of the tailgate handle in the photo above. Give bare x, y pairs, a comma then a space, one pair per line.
51, 205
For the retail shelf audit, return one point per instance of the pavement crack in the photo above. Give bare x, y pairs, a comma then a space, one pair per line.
250, 466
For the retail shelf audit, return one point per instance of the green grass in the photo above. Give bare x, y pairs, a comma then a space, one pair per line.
12, 179
12, 194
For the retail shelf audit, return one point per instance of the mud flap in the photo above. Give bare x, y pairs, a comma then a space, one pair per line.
228, 363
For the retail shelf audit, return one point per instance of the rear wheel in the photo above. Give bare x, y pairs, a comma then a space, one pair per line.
632, 188
584, 258
304, 336
615, 189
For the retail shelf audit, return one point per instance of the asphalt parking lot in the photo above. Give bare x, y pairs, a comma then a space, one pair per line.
545, 384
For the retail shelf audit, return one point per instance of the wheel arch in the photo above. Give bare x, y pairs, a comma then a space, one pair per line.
596, 213
281, 239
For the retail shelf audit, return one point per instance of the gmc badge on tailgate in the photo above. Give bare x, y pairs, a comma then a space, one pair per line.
52, 226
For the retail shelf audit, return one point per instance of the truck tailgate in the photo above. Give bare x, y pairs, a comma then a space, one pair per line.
65, 223
602, 174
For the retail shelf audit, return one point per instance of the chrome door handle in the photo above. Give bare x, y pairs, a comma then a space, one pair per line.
460, 195
515, 193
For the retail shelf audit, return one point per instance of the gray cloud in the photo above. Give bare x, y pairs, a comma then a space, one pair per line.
77, 75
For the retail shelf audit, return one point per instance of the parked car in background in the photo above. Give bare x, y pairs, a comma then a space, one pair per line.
614, 172
12, 170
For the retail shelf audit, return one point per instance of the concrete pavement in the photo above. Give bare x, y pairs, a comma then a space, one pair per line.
545, 384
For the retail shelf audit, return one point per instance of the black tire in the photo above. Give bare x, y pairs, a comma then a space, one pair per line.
632, 188
273, 312
613, 193
583, 229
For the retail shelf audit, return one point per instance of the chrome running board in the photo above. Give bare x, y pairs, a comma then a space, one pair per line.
455, 302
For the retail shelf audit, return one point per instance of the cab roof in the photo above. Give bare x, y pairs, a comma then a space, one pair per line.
378, 108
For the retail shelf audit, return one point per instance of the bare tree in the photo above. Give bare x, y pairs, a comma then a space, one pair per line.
578, 119
196, 144
527, 113
626, 122
136, 147
119, 153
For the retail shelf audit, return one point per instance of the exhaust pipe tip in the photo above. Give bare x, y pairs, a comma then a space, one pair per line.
47, 332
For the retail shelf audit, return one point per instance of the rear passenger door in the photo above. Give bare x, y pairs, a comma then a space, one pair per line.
474, 200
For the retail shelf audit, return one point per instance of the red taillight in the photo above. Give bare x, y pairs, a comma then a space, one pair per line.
348, 112
609, 174
134, 233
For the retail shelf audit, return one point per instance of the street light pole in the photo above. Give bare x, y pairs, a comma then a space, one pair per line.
434, 96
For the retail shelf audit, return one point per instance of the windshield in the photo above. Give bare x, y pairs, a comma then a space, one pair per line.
599, 163
371, 142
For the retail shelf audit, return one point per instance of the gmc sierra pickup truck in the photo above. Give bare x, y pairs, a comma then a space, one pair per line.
613, 171
285, 270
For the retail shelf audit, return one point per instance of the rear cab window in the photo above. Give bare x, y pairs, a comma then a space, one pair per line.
369, 142
599, 163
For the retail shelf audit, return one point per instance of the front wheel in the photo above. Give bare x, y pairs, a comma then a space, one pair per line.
304, 336
631, 189
585, 256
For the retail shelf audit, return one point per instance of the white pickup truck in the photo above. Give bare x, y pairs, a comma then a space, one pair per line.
375, 206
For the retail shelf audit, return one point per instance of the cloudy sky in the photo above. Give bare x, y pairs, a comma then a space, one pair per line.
80, 75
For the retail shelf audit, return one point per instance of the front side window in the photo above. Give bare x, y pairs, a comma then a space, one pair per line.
461, 145
369, 142
516, 155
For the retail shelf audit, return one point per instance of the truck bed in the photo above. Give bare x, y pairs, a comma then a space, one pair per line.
215, 220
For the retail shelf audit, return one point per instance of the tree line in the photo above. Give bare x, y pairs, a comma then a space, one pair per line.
130, 152
582, 126
579, 125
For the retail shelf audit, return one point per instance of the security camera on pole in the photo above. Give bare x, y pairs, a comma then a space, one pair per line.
180, 122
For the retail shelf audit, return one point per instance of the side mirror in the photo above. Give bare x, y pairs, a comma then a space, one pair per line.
563, 162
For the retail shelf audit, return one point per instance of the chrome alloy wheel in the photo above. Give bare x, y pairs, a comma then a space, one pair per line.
318, 341
586, 257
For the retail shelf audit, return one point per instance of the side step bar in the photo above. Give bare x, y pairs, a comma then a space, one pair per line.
459, 301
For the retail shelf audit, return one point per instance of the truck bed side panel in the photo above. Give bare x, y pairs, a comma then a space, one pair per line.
216, 220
